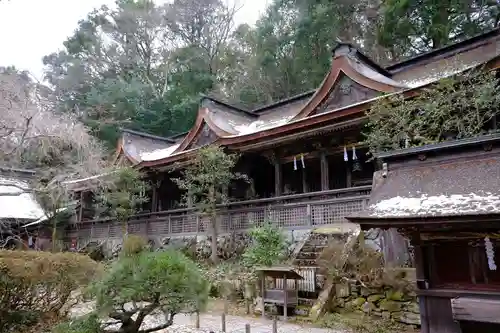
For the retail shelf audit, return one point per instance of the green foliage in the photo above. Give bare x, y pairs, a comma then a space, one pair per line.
408, 27
206, 178
36, 285
167, 281
133, 244
269, 246
205, 181
86, 324
360, 323
143, 65
123, 195
454, 108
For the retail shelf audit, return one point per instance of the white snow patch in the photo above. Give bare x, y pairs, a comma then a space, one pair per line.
159, 153
437, 205
260, 125
436, 76
17, 201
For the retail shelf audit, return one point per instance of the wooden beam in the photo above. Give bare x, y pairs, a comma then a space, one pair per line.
479, 309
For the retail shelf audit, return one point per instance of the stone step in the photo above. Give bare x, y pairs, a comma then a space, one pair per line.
306, 301
307, 255
312, 248
305, 263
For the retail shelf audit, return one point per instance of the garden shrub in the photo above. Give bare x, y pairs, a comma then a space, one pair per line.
142, 283
34, 285
269, 246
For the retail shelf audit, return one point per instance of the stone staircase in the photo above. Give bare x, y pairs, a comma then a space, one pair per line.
307, 253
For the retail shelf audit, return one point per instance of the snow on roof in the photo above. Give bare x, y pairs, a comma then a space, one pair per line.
436, 76
45, 217
159, 153
260, 125
17, 201
455, 204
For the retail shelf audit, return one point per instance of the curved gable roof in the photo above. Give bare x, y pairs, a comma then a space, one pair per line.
347, 60
133, 145
230, 125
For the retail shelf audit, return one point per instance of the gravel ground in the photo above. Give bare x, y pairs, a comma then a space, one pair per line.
212, 323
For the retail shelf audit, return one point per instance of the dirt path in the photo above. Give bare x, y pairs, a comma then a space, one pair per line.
236, 324
212, 323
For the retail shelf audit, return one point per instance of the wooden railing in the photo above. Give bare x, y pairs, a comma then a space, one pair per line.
291, 211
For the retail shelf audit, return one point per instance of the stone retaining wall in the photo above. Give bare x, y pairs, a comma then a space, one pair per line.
382, 302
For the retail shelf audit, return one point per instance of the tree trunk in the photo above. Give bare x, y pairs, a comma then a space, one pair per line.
54, 233
213, 256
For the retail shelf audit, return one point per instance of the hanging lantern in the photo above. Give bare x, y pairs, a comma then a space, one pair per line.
302, 160
356, 166
295, 163
490, 254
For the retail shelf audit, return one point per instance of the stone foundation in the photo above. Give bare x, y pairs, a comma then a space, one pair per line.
383, 302
199, 246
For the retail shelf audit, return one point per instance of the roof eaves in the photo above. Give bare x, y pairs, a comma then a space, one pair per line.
146, 135
446, 145
235, 108
422, 56
283, 101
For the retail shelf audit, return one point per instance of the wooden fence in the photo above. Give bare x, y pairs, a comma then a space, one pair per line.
302, 211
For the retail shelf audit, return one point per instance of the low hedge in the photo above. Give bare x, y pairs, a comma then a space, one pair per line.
34, 285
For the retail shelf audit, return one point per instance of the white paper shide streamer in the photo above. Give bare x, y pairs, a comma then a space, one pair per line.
295, 163
490, 254
302, 160
346, 157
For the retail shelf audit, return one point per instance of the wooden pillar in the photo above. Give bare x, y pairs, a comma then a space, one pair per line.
348, 178
305, 188
285, 297
422, 280
80, 211
325, 180
154, 195
263, 292
278, 177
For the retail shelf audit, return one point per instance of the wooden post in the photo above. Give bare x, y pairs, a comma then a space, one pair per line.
325, 180
247, 328
263, 292
309, 215
223, 317
305, 188
80, 210
278, 178
197, 320
154, 197
275, 325
285, 297
348, 178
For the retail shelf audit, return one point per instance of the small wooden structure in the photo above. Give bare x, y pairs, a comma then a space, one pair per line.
446, 198
284, 296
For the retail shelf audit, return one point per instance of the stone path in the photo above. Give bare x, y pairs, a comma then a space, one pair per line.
235, 324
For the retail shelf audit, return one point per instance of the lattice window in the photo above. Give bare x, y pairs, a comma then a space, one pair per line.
116, 230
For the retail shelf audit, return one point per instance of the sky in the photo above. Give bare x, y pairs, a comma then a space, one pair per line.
30, 29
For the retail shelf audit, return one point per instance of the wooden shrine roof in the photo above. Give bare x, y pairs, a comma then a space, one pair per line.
352, 84
279, 272
449, 179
